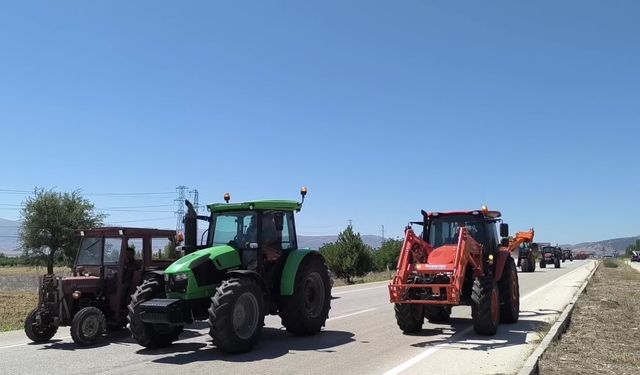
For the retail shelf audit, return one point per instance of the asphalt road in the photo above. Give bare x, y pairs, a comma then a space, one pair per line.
361, 337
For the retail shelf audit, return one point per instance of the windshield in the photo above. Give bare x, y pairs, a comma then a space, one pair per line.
547, 249
233, 228
444, 230
90, 253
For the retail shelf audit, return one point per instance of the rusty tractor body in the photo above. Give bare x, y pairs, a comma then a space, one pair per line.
550, 255
458, 260
110, 263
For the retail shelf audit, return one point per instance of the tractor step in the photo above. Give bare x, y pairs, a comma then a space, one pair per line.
162, 311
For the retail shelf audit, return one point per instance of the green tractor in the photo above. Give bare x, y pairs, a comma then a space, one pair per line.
249, 266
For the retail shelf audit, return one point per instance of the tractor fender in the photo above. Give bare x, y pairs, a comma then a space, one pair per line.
251, 274
288, 278
501, 261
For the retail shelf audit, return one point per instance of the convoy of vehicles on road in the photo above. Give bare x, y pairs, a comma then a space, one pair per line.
250, 266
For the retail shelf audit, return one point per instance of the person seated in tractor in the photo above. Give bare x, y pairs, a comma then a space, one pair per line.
129, 268
272, 239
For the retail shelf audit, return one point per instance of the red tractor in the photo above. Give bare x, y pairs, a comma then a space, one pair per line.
458, 260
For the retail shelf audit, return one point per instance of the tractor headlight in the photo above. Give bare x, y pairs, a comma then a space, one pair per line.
178, 283
180, 276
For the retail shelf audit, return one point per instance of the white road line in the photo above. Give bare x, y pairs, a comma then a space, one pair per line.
414, 360
27, 343
351, 314
359, 290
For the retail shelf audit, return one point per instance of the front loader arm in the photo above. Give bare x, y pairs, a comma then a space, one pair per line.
520, 238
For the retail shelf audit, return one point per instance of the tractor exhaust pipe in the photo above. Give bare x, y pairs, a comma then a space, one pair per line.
190, 222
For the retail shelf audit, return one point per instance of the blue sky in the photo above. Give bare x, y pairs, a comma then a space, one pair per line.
380, 108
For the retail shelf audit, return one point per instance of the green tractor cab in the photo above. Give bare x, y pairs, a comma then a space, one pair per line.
248, 266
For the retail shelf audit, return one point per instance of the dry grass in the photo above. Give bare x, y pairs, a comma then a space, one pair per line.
368, 278
14, 307
32, 271
25, 279
604, 331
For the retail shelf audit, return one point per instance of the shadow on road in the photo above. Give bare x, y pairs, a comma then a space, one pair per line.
117, 337
122, 336
507, 335
273, 344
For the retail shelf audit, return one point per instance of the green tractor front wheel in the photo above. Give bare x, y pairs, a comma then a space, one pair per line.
306, 311
150, 335
236, 315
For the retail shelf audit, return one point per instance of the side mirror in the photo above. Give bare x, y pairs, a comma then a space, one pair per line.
504, 242
504, 230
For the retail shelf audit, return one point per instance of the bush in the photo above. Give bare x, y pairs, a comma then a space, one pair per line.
348, 256
386, 257
610, 263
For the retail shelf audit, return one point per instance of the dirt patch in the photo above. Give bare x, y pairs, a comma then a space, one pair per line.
603, 335
14, 307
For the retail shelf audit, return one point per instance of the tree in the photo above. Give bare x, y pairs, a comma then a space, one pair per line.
50, 221
349, 256
386, 257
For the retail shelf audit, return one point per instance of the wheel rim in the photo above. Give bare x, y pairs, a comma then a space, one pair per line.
245, 315
495, 301
90, 326
314, 294
515, 292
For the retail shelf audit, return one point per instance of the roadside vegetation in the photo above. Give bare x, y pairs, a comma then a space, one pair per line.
353, 261
604, 330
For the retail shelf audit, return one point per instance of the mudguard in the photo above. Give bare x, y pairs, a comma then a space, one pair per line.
501, 261
288, 278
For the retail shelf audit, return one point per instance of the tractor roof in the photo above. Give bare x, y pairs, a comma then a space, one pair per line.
128, 231
256, 205
487, 214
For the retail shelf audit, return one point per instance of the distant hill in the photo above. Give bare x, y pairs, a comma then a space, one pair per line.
9, 231
315, 242
614, 246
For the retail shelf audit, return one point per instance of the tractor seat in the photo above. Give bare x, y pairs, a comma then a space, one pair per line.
443, 255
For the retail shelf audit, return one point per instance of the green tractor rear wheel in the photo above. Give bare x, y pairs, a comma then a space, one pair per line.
306, 311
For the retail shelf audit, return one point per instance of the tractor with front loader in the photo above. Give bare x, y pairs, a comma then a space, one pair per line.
249, 266
110, 263
458, 260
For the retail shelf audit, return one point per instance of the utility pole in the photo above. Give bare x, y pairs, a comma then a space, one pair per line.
194, 195
182, 195
350, 222
382, 230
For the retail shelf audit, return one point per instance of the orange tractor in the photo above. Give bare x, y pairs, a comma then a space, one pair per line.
458, 260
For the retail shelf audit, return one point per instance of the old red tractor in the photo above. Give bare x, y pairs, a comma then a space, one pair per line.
458, 260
